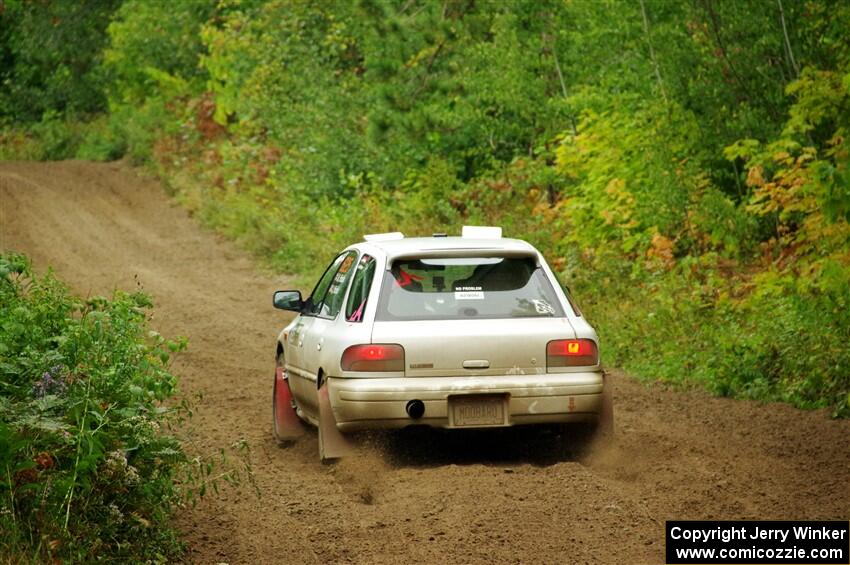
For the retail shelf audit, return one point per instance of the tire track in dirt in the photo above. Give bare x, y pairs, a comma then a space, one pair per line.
501, 497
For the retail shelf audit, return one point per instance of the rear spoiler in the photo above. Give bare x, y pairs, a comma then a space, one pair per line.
465, 252
389, 236
471, 232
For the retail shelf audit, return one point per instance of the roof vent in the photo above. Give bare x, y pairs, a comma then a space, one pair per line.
389, 236
481, 232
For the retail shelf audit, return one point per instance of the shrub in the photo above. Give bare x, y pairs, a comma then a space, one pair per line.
87, 464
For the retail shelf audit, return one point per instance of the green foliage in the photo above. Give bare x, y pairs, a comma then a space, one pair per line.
55, 137
693, 329
49, 57
150, 40
101, 141
151, 62
88, 464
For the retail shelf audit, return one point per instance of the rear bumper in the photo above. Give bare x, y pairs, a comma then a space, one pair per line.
374, 403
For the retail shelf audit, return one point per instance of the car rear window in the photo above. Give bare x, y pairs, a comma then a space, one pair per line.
455, 288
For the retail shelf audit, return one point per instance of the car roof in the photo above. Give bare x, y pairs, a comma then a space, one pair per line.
406, 246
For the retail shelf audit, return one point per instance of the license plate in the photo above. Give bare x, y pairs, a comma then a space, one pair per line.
479, 410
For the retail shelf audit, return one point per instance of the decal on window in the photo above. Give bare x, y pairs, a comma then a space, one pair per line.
542, 307
469, 293
358, 314
404, 278
346, 265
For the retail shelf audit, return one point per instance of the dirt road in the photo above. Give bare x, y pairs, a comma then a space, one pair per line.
490, 498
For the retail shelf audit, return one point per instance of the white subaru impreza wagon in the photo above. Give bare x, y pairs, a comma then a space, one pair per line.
450, 332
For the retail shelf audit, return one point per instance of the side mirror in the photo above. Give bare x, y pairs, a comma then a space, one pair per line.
288, 300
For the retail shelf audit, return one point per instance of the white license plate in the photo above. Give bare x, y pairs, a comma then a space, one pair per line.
478, 410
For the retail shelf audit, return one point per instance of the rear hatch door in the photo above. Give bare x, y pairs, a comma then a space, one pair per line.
452, 348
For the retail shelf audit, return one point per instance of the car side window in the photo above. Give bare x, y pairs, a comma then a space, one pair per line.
332, 302
314, 303
363, 276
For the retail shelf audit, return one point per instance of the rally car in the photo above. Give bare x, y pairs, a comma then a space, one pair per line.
450, 332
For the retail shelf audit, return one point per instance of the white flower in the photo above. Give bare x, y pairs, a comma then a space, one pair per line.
114, 512
132, 477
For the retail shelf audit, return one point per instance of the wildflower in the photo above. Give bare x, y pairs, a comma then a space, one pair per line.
114, 512
116, 468
51, 382
132, 476
115, 465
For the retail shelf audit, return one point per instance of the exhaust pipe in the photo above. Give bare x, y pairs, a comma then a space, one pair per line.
415, 409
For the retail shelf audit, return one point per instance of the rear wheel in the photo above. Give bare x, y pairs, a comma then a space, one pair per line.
581, 438
605, 426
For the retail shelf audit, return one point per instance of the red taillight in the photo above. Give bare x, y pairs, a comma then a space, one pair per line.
572, 353
374, 357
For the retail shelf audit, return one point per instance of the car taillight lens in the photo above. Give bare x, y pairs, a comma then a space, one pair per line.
374, 357
572, 353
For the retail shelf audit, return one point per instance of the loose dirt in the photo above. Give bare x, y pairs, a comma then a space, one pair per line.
501, 497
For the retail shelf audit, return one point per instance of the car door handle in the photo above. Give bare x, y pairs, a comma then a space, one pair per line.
476, 364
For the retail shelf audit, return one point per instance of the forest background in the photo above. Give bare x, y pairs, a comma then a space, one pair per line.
682, 165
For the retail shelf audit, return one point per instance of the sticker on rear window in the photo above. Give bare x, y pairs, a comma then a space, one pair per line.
543, 307
469, 293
